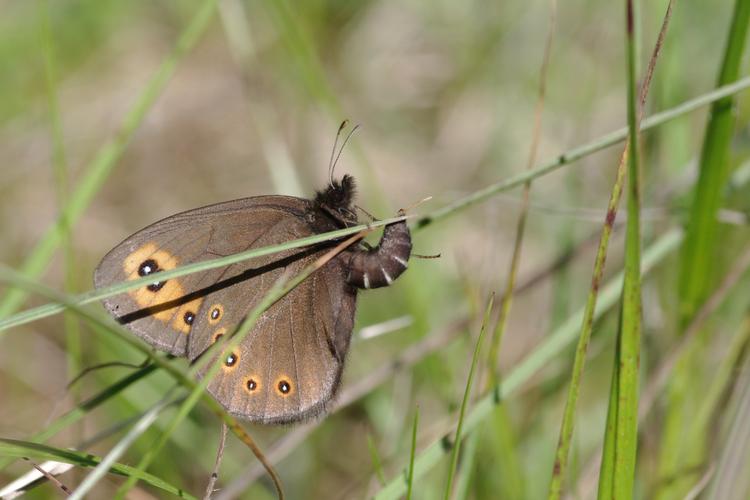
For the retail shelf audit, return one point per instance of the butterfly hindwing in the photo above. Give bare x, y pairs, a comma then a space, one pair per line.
287, 367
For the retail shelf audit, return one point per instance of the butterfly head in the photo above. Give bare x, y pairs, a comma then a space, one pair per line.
338, 196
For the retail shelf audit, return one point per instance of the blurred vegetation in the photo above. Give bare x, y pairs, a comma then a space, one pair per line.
445, 93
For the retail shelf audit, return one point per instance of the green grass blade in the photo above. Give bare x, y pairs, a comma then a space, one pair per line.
465, 401
98, 294
698, 265
501, 442
577, 153
412, 453
377, 464
467, 473
700, 237
607, 468
19, 449
629, 335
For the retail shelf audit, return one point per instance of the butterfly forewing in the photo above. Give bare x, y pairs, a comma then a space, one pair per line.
163, 312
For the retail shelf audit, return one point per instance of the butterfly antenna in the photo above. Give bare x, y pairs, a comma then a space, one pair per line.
372, 217
343, 145
331, 163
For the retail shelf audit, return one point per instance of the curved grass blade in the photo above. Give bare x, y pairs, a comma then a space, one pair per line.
19, 449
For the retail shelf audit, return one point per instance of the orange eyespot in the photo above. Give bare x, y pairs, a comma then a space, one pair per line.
251, 384
231, 360
184, 315
284, 386
215, 312
147, 267
188, 317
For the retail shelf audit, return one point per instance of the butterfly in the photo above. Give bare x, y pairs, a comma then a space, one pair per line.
288, 367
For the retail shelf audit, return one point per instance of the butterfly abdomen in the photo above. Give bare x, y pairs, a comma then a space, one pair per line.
381, 265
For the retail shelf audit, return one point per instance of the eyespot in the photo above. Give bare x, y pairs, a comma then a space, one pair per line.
251, 384
188, 317
148, 266
215, 312
155, 287
284, 387
231, 360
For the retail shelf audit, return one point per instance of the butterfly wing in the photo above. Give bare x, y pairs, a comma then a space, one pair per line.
163, 313
289, 365
293, 357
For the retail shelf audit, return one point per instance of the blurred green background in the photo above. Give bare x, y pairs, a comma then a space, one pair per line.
445, 93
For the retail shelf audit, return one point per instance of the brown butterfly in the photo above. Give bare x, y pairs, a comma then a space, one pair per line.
289, 365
